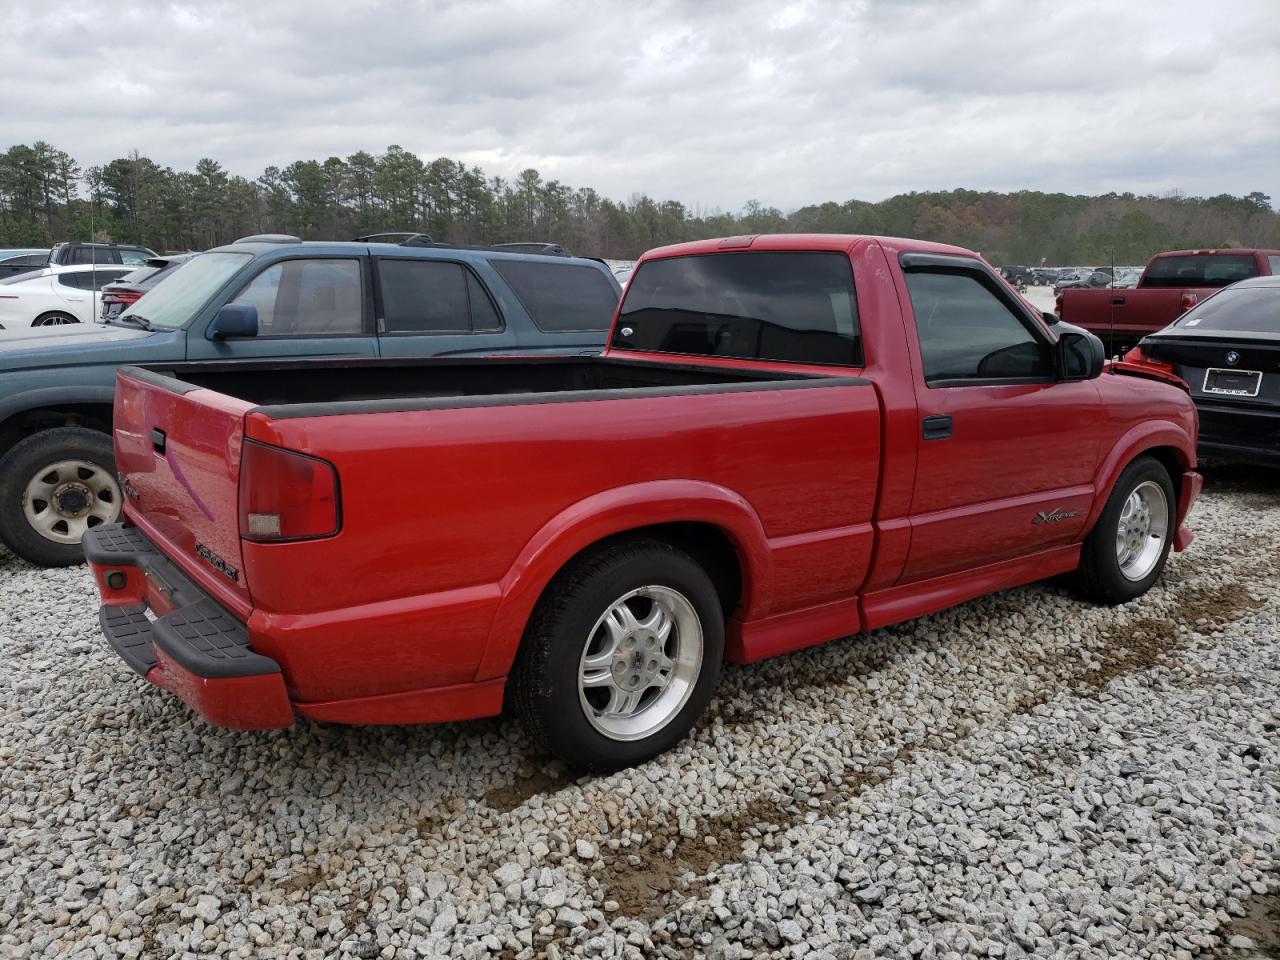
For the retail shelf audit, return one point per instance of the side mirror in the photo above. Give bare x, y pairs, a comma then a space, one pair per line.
233, 320
1081, 355
1049, 317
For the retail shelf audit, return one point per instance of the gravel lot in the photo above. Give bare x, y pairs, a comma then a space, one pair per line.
1022, 776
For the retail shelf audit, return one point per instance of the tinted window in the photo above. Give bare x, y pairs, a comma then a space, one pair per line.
1200, 270
484, 315
561, 296
27, 260
798, 307
93, 255
966, 332
89, 279
1240, 310
133, 257
423, 296
306, 298
142, 273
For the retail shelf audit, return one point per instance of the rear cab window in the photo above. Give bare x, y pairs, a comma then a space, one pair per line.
1200, 270
794, 307
560, 297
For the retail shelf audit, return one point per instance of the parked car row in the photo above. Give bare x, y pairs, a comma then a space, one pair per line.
1172, 283
14, 261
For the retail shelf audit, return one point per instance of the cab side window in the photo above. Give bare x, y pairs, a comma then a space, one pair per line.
968, 334
307, 298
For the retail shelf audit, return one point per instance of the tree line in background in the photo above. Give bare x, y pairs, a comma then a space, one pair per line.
45, 197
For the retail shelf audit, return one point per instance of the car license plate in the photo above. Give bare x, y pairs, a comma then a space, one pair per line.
1232, 383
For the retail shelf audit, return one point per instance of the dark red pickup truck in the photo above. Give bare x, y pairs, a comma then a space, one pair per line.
790, 439
1171, 284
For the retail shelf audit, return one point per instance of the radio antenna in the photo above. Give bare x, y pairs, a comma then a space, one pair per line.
1111, 290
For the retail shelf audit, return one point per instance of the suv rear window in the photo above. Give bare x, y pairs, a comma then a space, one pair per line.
797, 307
560, 296
1200, 270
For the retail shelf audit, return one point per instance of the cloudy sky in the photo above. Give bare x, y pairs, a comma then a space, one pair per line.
711, 102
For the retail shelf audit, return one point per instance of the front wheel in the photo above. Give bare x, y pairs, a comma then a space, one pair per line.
1126, 551
55, 318
621, 656
54, 487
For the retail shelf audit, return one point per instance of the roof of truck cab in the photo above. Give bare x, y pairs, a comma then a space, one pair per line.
353, 247
803, 241
1216, 252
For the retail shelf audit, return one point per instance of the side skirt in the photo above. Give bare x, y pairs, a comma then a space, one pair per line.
911, 600
784, 633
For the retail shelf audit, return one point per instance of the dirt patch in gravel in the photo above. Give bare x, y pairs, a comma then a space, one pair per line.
647, 889
1261, 924
506, 798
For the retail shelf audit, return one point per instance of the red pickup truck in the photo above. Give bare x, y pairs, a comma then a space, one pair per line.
789, 439
1171, 284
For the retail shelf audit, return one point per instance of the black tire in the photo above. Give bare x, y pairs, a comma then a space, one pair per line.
20, 464
544, 687
53, 318
1099, 577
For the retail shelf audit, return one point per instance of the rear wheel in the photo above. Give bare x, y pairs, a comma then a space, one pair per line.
54, 487
53, 319
621, 656
1128, 547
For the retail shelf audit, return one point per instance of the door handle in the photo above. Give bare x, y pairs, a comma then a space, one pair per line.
1117, 301
937, 427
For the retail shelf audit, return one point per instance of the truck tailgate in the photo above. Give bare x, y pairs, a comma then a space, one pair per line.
178, 453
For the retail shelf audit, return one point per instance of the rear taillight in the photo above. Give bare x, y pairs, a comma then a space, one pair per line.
121, 296
1137, 356
1057, 304
286, 495
1189, 300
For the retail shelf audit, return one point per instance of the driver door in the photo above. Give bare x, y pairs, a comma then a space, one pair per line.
1007, 452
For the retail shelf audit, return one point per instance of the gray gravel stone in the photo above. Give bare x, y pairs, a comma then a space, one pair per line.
1023, 776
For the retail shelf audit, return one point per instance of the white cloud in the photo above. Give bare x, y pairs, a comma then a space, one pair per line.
710, 102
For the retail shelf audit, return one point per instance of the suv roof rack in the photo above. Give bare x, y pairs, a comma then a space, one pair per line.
270, 238
546, 249
407, 238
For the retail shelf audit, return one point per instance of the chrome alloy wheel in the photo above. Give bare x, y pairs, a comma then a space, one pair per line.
65, 499
1141, 532
640, 663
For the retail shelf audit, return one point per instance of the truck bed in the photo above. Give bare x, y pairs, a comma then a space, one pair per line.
453, 476
325, 386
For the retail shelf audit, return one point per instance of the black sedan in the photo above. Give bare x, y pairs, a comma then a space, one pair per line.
130, 288
1227, 349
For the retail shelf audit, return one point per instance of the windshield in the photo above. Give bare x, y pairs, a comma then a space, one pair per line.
1242, 310
180, 295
